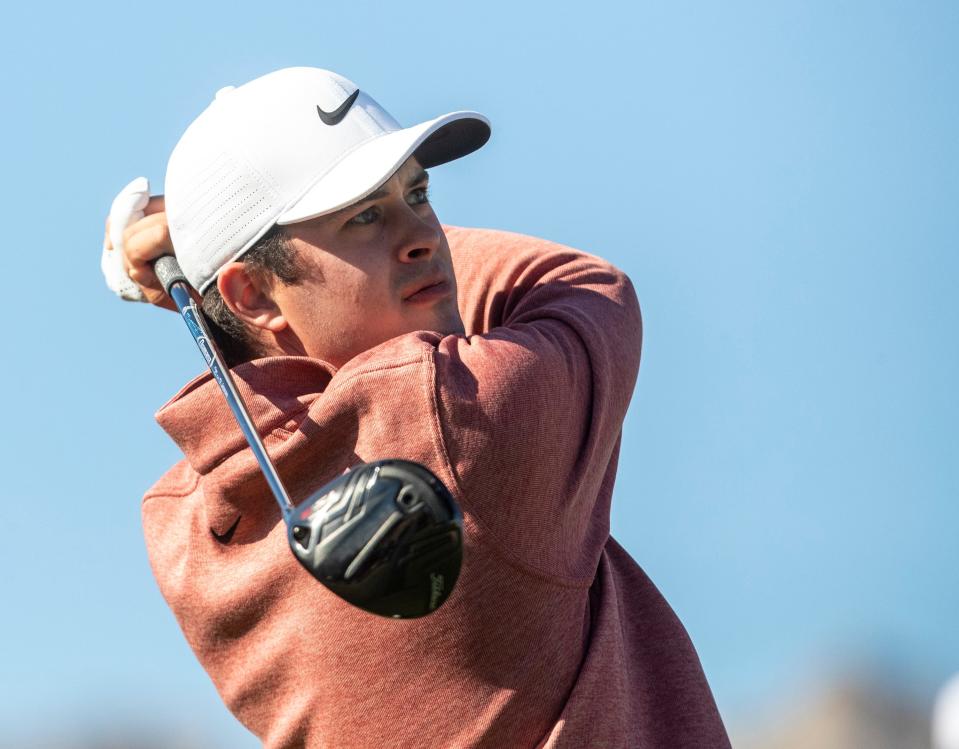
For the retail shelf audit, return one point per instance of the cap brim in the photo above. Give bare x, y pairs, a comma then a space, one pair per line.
366, 168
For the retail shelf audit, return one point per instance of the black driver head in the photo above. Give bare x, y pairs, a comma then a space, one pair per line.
386, 537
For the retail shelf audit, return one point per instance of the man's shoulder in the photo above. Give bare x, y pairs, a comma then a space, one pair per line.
180, 480
469, 238
166, 514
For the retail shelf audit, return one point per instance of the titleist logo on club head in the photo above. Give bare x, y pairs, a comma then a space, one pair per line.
437, 588
334, 117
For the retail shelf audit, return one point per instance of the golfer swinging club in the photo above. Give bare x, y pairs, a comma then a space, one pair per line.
360, 328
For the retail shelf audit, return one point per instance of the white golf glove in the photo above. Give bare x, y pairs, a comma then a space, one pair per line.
127, 208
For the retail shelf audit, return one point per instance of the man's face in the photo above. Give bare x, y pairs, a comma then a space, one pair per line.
372, 271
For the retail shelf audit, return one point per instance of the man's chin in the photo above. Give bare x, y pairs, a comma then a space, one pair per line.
451, 324
443, 318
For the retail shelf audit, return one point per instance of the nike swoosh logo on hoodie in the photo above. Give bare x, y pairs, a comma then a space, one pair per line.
224, 538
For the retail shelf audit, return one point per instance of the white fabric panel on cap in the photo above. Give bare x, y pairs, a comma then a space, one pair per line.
293, 143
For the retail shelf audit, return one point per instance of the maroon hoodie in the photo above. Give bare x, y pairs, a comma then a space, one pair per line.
553, 637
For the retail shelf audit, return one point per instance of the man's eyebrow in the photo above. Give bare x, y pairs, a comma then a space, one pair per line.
420, 176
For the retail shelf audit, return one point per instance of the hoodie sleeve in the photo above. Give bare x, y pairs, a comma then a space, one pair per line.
532, 400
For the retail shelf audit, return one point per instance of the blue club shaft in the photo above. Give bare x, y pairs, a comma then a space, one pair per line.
178, 289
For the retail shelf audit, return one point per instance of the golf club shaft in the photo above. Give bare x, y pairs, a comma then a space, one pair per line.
176, 285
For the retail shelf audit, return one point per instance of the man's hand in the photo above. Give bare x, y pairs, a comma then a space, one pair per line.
144, 240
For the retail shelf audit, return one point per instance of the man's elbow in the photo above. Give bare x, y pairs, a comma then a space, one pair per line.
632, 318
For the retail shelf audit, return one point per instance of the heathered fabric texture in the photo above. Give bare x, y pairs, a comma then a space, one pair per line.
553, 638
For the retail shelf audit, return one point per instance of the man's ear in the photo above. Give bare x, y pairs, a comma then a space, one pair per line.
250, 297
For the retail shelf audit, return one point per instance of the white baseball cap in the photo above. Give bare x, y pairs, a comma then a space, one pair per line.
289, 146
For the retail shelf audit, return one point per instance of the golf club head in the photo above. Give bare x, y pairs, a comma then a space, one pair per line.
386, 537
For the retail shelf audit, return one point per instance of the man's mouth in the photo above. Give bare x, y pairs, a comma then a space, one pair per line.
434, 279
428, 291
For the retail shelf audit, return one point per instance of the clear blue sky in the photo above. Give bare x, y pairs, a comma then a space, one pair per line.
780, 180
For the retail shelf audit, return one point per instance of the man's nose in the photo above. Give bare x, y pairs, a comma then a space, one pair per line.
421, 238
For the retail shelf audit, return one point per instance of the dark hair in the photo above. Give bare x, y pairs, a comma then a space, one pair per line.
271, 255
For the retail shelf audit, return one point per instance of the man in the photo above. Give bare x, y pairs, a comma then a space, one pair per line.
360, 328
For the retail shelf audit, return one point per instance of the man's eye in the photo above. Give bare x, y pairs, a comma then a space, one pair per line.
366, 217
420, 195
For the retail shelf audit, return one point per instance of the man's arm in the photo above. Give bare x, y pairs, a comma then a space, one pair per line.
532, 402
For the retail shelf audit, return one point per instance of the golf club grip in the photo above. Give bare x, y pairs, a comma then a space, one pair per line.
168, 271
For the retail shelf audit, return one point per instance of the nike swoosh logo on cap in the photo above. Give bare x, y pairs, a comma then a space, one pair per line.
334, 117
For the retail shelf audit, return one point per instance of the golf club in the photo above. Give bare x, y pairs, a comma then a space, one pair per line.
386, 536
